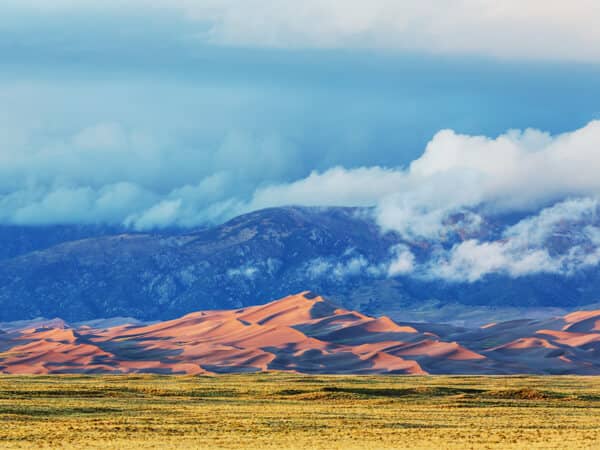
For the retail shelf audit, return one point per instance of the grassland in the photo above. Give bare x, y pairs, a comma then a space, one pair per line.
275, 411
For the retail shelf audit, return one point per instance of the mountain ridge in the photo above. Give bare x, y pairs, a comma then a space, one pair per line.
341, 252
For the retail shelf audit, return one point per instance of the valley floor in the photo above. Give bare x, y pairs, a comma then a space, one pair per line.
276, 411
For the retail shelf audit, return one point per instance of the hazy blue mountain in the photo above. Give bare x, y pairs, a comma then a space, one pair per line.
17, 240
84, 273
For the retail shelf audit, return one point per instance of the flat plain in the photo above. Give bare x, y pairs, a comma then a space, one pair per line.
280, 410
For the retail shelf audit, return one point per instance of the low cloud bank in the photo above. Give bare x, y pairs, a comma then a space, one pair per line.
106, 174
561, 239
551, 180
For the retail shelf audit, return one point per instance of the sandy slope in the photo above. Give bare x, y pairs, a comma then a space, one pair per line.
301, 333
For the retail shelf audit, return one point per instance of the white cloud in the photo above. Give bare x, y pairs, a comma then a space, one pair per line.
318, 267
109, 174
560, 218
471, 260
73, 204
471, 176
516, 171
526, 248
403, 261
336, 186
541, 29
348, 265
246, 271
63, 203
545, 29
531, 163
161, 215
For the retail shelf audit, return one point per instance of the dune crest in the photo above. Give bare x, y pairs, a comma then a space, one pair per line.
302, 333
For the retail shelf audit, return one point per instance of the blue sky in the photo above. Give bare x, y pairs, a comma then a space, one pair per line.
176, 113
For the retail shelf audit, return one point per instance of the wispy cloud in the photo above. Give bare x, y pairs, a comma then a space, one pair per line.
562, 239
348, 265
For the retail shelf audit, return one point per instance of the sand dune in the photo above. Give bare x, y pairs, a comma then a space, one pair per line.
301, 333
583, 322
526, 343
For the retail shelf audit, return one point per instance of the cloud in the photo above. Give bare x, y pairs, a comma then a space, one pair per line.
542, 29
249, 272
471, 260
116, 130
161, 215
76, 204
516, 171
117, 174
337, 186
256, 268
562, 239
111, 174
403, 261
458, 182
188, 124
348, 265
554, 221
538, 29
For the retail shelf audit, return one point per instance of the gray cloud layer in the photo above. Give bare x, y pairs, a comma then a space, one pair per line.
149, 116
109, 174
542, 29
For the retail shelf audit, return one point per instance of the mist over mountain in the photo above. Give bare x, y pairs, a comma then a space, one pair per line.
82, 273
438, 167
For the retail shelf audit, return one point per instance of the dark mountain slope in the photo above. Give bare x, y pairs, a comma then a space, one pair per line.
150, 276
265, 254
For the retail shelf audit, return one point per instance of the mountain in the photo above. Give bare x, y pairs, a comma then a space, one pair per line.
163, 275
18, 240
302, 333
83, 273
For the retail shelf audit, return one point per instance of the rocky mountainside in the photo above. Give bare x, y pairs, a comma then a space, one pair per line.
19, 240
302, 333
80, 273
156, 276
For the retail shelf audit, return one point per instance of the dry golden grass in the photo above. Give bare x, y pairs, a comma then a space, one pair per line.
275, 411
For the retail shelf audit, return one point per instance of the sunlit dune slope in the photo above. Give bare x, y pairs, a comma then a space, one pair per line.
301, 333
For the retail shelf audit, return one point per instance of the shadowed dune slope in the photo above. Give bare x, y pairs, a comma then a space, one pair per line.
301, 333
